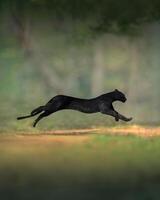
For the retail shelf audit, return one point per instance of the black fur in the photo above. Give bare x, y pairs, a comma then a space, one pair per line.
102, 103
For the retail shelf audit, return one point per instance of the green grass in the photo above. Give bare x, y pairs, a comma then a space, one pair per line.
79, 167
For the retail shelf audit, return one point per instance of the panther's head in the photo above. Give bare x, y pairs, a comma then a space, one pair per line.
119, 96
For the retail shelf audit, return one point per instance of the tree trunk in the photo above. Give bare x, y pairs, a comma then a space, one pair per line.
97, 70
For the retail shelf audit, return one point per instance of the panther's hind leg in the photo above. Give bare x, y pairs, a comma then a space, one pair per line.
52, 106
45, 114
48, 111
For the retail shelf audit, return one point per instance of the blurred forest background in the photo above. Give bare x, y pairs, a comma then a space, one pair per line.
79, 48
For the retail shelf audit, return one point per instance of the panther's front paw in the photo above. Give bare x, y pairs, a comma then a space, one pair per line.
129, 119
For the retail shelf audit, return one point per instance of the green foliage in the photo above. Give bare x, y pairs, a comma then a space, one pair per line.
104, 15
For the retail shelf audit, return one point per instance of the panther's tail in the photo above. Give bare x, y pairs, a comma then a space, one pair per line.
33, 113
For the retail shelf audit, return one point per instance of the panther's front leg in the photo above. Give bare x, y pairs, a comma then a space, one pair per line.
124, 118
116, 116
119, 116
108, 110
111, 113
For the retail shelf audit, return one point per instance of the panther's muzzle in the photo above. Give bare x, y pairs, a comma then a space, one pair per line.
124, 100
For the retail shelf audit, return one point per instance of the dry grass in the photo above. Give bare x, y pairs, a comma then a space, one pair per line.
134, 130
120, 130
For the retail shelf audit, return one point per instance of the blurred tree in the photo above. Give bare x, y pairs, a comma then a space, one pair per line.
105, 15
98, 69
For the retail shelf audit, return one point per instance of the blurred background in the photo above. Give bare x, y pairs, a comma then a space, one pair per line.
79, 48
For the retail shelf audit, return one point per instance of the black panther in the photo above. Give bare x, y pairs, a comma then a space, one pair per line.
102, 103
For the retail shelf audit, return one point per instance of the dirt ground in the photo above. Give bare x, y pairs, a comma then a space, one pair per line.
74, 136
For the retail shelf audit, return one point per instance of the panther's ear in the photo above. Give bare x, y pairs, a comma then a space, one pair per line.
116, 90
